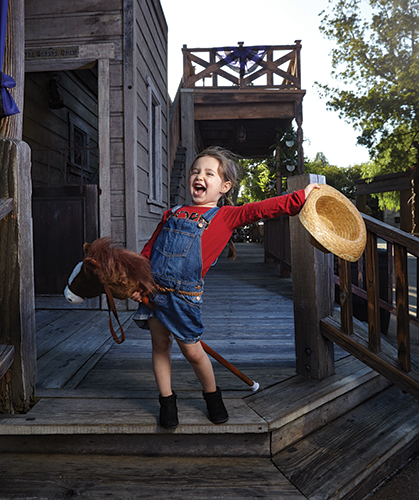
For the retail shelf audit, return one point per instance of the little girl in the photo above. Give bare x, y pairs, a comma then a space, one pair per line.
186, 242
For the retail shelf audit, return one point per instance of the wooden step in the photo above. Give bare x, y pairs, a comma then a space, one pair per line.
125, 478
104, 421
130, 427
298, 406
347, 458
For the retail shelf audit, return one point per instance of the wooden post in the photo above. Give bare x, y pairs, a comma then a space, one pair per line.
300, 136
187, 128
361, 203
406, 210
104, 148
17, 296
14, 65
312, 274
298, 55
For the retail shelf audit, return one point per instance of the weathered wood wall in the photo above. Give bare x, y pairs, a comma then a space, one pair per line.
150, 54
45, 127
138, 31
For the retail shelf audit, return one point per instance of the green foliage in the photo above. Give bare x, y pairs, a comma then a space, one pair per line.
258, 181
342, 179
376, 59
259, 176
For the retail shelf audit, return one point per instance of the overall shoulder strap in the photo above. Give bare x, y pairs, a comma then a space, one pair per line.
176, 208
210, 213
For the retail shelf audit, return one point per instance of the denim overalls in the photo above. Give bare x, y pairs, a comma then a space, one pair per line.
176, 264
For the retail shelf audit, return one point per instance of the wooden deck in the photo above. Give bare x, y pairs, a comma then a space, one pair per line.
248, 313
94, 431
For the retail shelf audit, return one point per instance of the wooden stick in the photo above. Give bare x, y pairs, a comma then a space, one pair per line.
254, 385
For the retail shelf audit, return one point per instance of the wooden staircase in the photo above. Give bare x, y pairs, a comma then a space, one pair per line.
296, 438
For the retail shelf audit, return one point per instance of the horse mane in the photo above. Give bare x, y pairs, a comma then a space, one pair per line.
124, 271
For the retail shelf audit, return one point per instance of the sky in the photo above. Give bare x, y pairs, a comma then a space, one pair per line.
221, 23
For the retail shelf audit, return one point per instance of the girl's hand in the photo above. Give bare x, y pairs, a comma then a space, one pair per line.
137, 296
308, 189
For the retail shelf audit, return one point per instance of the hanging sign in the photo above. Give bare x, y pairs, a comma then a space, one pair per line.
51, 52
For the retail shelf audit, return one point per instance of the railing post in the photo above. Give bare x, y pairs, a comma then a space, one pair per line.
17, 296
312, 274
187, 126
298, 51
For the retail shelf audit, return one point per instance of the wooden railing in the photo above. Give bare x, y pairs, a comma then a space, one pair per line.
277, 243
174, 128
6, 351
210, 65
395, 362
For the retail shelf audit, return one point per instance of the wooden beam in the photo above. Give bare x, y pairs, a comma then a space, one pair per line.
187, 127
372, 285
346, 296
312, 285
381, 362
392, 234
17, 295
384, 183
402, 306
209, 95
104, 148
219, 72
248, 111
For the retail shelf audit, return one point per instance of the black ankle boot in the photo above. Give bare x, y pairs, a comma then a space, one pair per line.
216, 409
168, 412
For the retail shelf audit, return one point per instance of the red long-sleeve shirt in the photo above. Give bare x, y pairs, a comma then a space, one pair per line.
228, 218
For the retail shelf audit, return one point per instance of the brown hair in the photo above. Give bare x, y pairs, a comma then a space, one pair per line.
228, 170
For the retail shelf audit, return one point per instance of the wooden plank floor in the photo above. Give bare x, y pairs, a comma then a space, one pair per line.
248, 314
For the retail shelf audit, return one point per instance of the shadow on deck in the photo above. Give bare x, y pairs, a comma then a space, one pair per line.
96, 397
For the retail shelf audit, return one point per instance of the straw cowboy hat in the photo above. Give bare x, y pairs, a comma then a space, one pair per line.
334, 223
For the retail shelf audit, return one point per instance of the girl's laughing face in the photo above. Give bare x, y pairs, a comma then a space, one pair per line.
205, 183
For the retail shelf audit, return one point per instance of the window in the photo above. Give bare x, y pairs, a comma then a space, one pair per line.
79, 157
79, 147
155, 149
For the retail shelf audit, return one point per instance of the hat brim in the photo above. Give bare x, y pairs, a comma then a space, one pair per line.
334, 222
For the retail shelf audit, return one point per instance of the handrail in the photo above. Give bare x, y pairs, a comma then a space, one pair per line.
6, 206
395, 363
174, 128
213, 65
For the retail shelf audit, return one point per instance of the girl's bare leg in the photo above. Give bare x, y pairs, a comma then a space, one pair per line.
201, 364
162, 341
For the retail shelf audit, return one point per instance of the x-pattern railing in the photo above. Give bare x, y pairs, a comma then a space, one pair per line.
215, 63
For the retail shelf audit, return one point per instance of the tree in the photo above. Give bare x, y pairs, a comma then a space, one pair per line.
342, 179
257, 181
376, 60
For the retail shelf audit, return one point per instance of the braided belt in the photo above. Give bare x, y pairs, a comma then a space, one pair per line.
165, 289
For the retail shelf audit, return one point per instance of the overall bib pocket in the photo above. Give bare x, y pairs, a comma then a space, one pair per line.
174, 243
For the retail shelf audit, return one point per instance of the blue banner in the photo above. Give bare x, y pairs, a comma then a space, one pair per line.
7, 104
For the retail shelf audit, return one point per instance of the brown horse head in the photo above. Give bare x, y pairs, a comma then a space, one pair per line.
123, 271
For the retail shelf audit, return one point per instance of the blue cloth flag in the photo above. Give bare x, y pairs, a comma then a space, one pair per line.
7, 104
244, 60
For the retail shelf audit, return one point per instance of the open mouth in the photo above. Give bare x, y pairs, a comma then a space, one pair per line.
199, 189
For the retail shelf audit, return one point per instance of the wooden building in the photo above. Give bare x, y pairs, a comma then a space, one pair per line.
242, 98
96, 119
